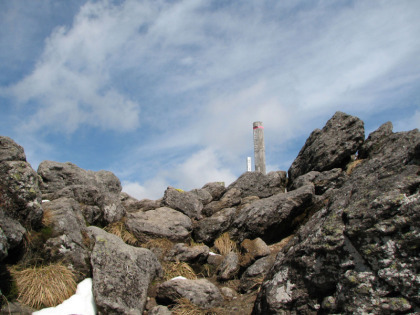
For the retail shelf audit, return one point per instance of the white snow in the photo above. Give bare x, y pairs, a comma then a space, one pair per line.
179, 278
81, 303
212, 254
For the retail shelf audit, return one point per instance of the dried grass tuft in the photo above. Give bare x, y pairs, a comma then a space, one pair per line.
351, 166
44, 286
119, 229
186, 307
47, 217
175, 269
225, 245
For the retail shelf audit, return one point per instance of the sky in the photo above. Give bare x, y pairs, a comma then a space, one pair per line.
164, 93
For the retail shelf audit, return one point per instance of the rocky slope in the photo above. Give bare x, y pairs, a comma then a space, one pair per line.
339, 233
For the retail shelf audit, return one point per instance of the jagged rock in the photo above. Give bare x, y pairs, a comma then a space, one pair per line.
121, 274
360, 253
229, 267
203, 195
252, 250
11, 234
67, 242
10, 150
160, 223
259, 184
94, 189
159, 310
129, 203
330, 147
216, 189
271, 218
191, 254
231, 198
375, 140
208, 229
247, 201
253, 276
183, 201
323, 181
200, 292
215, 259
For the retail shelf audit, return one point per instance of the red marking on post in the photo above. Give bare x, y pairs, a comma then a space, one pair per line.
258, 127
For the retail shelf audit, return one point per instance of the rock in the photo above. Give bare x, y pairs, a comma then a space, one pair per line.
360, 253
253, 276
215, 259
160, 223
252, 250
375, 140
190, 254
228, 293
17, 308
231, 198
208, 229
330, 147
323, 181
11, 235
200, 292
259, 184
183, 201
10, 150
271, 218
94, 189
229, 267
216, 189
67, 242
159, 310
121, 274
202, 195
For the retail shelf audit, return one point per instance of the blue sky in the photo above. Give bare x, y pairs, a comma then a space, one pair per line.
165, 92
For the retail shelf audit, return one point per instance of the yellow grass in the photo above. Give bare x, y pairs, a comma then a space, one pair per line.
225, 245
47, 217
175, 269
44, 286
186, 307
119, 229
351, 166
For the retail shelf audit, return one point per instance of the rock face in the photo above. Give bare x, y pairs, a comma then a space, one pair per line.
230, 198
99, 192
201, 292
259, 184
121, 274
360, 253
160, 223
330, 147
183, 201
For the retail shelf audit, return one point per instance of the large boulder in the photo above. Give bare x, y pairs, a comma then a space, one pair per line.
231, 197
360, 253
253, 276
190, 254
216, 189
67, 242
121, 274
159, 223
183, 201
99, 192
10, 150
229, 267
271, 218
200, 292
330, 147
322, 181
259, 184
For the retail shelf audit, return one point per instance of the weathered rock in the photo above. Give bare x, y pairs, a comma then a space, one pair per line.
228, 293
67, 242
259, 184
253, 276
11, 234
375, 140
183, 201
160, 223
159, 310
95, 189
229, 267
359, 254
330, 147
208, 229
323, 181
200, 292
231, 198
10, 150
190, 254
216, 189
215, 259
252, 250
132, 205
271, 218
202, 195
121, 274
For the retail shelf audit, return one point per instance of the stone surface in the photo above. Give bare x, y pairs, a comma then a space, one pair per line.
254, 274
159, 310
94, 189
160, 223
216, 189
200, 292
10, 150
183, 201
202, 195
360, 253
121, 274
330, 147
231, 198
271, 218
190, 254
322, 181
259, 184
229, 267
252, 250
208, 229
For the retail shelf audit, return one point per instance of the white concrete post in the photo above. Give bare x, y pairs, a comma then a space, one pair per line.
259, 148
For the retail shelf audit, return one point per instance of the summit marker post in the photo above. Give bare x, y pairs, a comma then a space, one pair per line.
259, 147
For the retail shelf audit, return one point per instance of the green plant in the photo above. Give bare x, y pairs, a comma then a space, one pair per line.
44, 286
